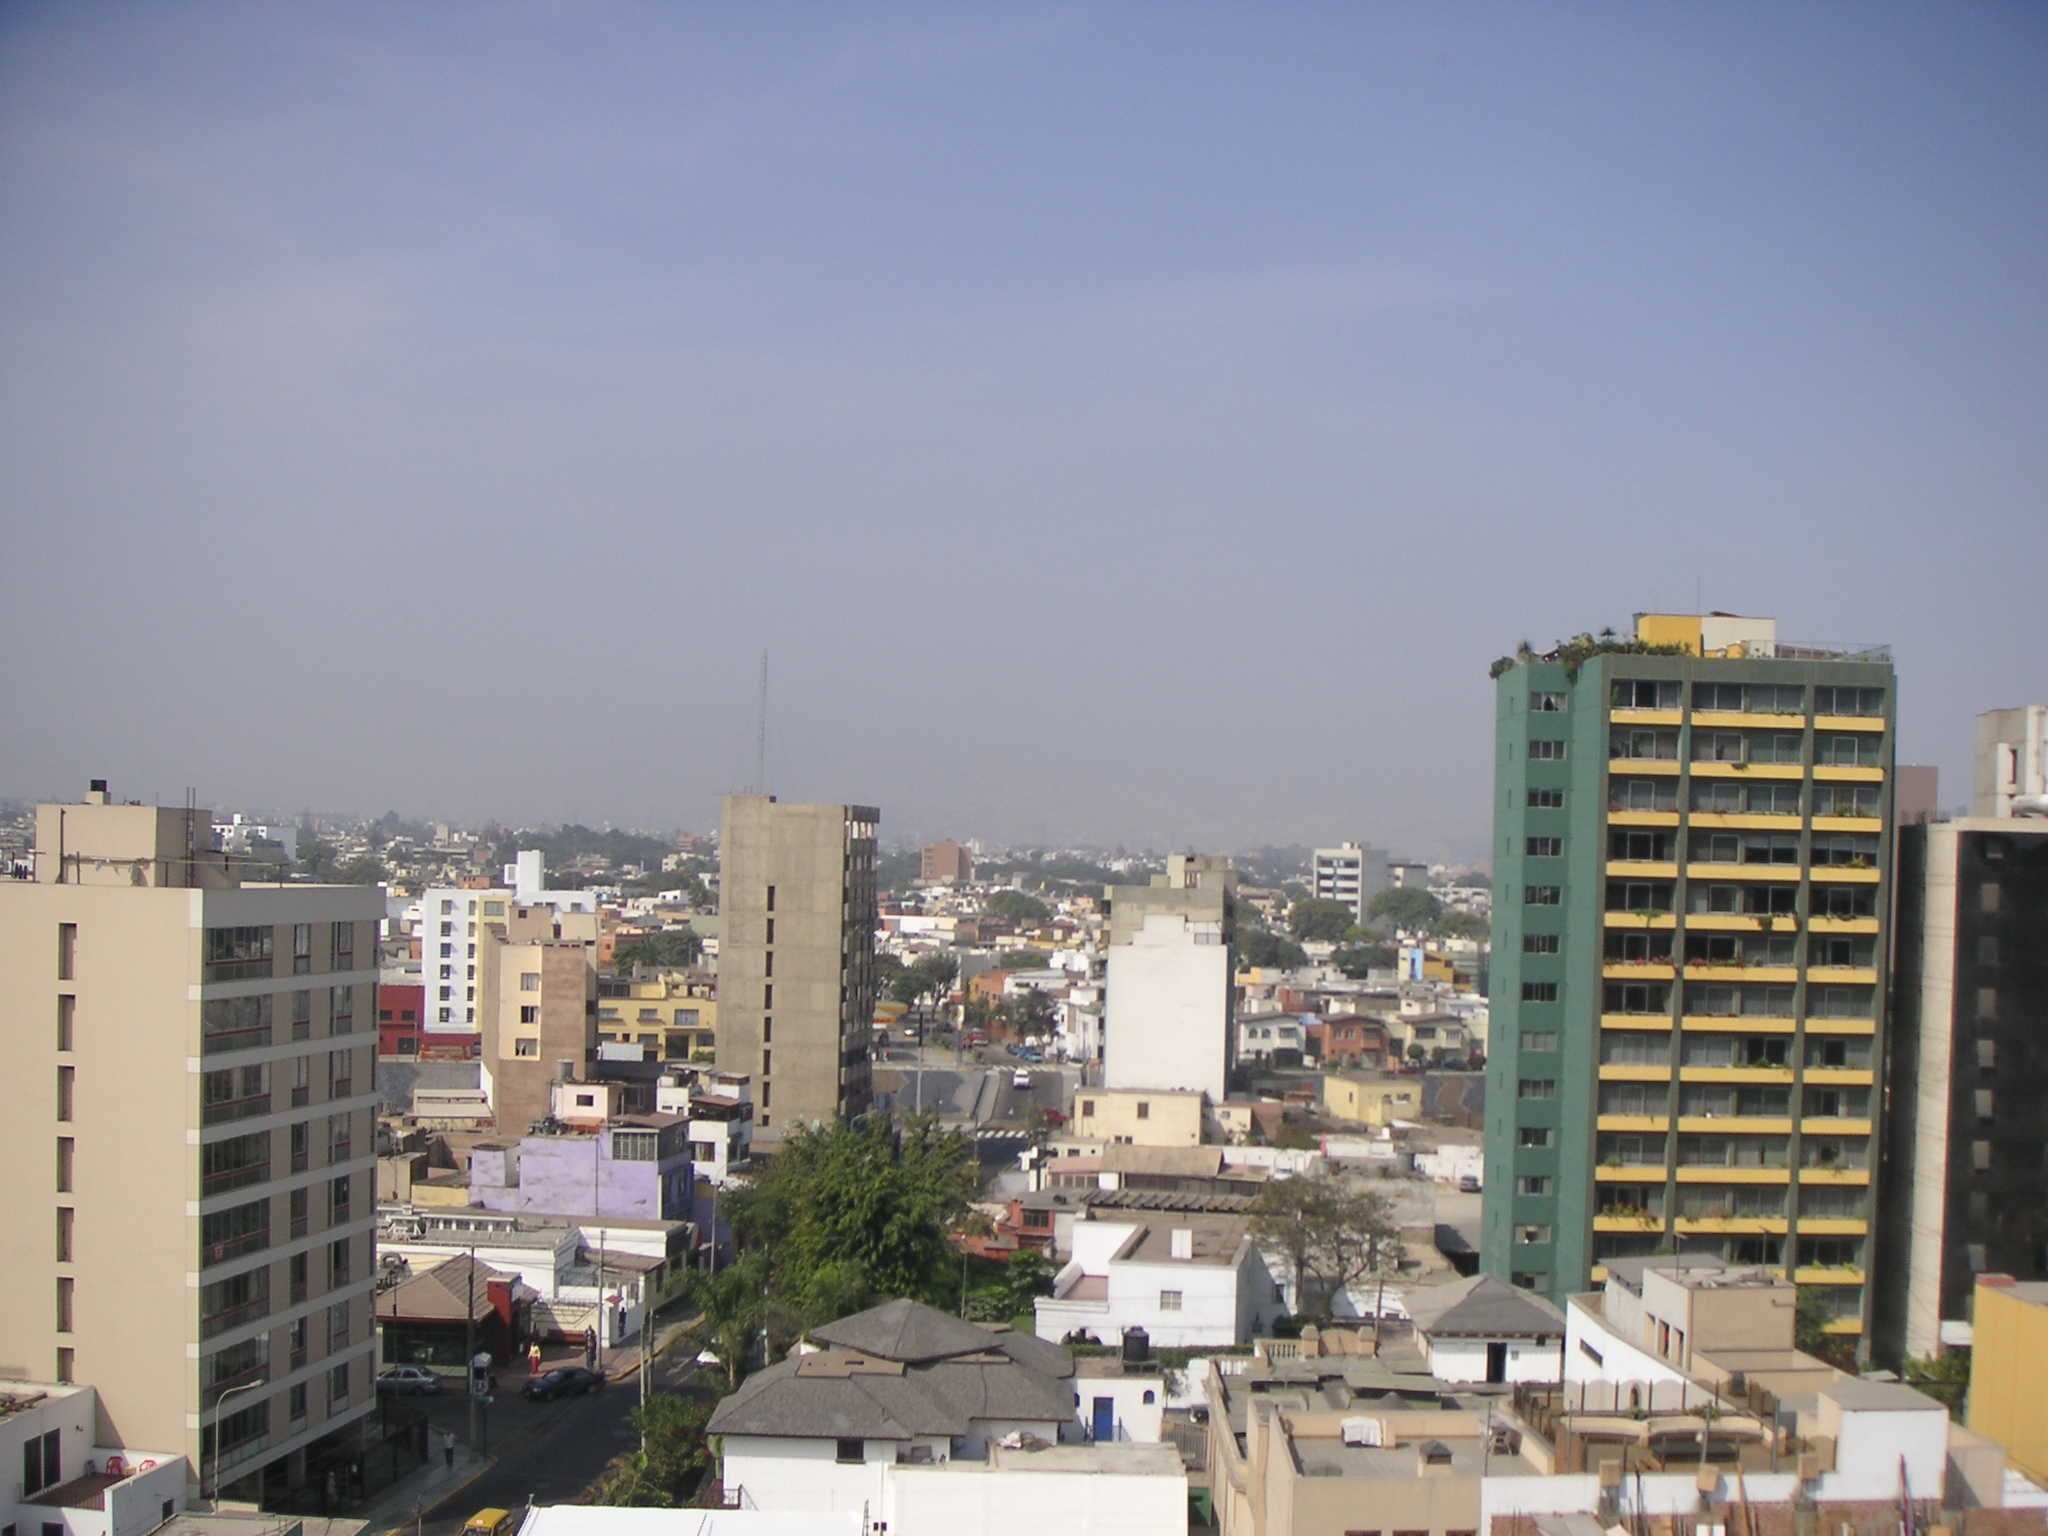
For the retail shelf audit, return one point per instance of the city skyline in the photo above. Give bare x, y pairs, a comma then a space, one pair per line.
1013, 382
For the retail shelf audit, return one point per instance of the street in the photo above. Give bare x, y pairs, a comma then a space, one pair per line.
546, 1452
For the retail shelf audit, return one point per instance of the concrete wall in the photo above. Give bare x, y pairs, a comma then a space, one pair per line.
1465, 1359
1167, 1023
792, 1474
990, 1501
1108, 1114
1136, 1418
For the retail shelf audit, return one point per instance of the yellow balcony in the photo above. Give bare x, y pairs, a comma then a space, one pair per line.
1841, 1026
1597, 1275
1816, 1125
1639, 870
1773, 1075
1644, 1223
1642, 818
1628, 1072
1839, 975
1848, 723
1847, 874
1636, 766
1844, 824
1814, 1275
1742, 922
1850, 1326
1748, 771
1639, 920
1842, 924
1646, 716
1735, 720
1750, 1225
1621, 970
1833, 1226
1722, 873
1831, 1175
1630, 1173
1642, 1021
1829, 773
1654, 1123
1743, 821
1844, 1077
1738, 1025
1741, 973
1709, 1175
1731, 1125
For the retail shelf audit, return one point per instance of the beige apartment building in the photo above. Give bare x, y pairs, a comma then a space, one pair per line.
796, 957
189, 1143
537, 1007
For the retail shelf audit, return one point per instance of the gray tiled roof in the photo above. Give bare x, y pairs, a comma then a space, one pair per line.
1482, 1305
905, 1330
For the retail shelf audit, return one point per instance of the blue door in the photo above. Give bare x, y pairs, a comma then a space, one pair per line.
1105, 1418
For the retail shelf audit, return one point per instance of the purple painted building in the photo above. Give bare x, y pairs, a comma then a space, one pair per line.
635, 1166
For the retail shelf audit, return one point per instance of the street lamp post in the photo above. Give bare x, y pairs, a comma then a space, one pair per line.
247, 1386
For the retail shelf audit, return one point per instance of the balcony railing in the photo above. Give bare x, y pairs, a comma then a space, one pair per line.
298, 1226
216, 1041
241, 970
235, 1178
338, 1152
234, 1317
301, 1097
234, 1247
235, 1109
215, 1390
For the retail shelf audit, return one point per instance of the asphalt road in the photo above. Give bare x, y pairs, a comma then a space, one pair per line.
546, 1452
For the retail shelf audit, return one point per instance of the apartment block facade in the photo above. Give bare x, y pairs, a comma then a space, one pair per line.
1692, 854
449, 923
1168, 1003
1966, 1141
1353, 874
189, 1143
537, 989
796, 957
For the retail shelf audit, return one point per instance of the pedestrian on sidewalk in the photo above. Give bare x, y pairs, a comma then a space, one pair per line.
448, 1448
533, 1358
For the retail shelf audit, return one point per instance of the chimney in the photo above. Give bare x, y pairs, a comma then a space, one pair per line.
96, 792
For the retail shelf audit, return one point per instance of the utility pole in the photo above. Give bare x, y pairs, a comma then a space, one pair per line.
476, 1407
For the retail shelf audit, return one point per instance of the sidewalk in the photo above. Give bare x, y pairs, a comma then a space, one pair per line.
624, 1363
421, 1490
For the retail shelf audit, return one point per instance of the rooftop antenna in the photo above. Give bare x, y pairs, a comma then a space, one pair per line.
761, 733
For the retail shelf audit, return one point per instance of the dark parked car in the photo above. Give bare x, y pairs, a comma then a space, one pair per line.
564, 1381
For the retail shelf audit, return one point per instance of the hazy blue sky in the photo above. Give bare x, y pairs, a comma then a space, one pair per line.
1118, 422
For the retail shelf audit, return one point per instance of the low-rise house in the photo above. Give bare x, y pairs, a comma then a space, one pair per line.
637, 1166
1349, 1040
1277, 1039
1485, 1330
68, 1483
424, 1316
719, 1107
1364, 1100
1120, 1116
1189, 1280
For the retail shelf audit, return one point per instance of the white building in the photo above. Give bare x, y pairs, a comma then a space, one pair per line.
527, 875
1167, 1023
924, 1425
720, 1109
1188, 1280
447, 933
68, 1482
1268, 1036
1352, 873
1483, 1329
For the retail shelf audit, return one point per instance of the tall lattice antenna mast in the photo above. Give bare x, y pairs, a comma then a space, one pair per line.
761, 733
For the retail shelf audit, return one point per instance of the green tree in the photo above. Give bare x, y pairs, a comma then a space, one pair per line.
1318, 920
935, 974
734, 1307
1404, 907
843, 1212
676, 1454
1333, 1232
1944, 1377
1357, 960
1261, 947
362, 870
1811, 1315
1030, 1013
1461, 925
1017, 909
1020, 960
316, 859
671, 948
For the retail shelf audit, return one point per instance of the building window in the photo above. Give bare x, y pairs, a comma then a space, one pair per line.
42, 1462
1533, 1184
67, 951
1534, 1136
1088, 1109
67, 1011
1539, 1039
1545, 847
337, 1387
1144, 1110
1546, 799
65, 1147
1169, 1301
1546, 703
1546, 751
64, 1288
529, 981
1537, 1088
67, 1078
1540, 943
526, 1048
529, 1014
846, 1452
1539, 991
1542, 895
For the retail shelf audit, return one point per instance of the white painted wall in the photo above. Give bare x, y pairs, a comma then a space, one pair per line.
1872, 1442
792, 1474
990, 1501
1620, 1361
1465, 1359
1138, 1419
1167, 1021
